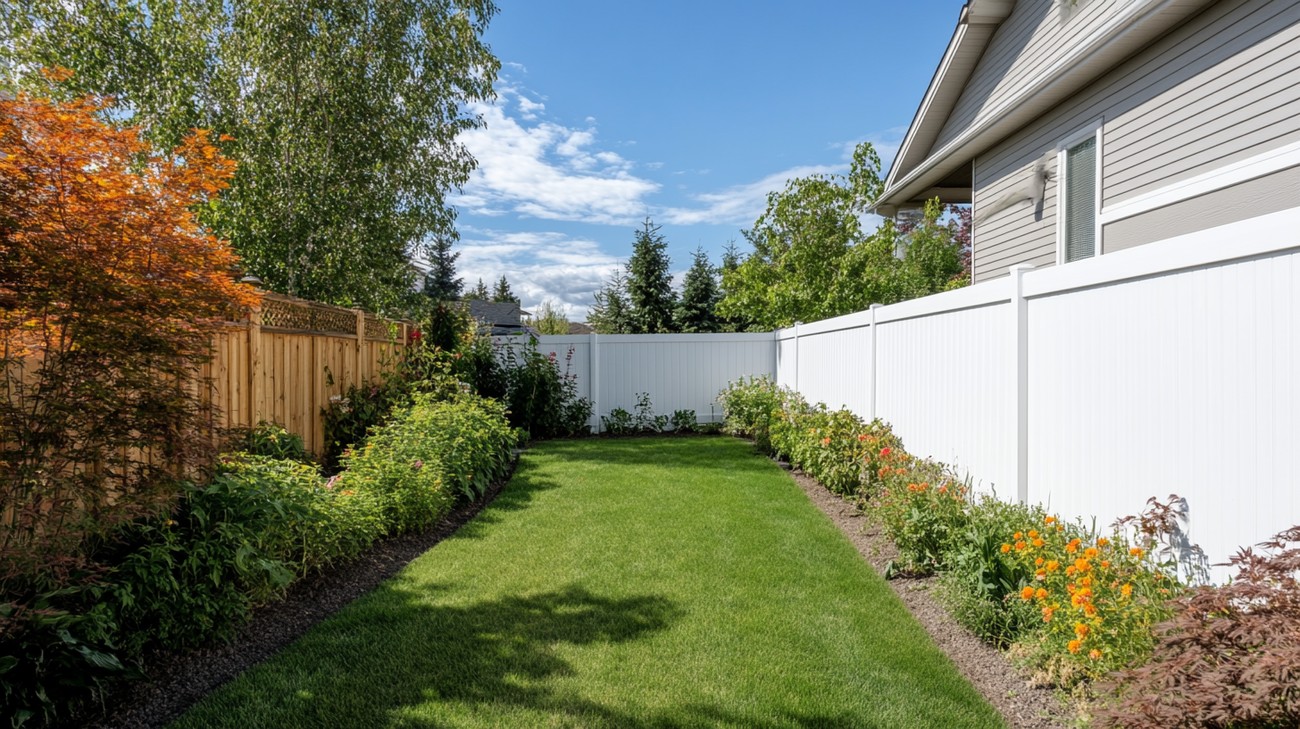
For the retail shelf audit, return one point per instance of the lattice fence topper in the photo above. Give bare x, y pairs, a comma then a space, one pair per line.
381, 329
301, 316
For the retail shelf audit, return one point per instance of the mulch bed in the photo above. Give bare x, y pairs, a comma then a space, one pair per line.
1000, 682
177, 681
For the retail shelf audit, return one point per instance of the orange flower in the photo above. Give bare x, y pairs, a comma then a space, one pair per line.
1006, 548
1082, 565
1089, 609
1020, 546
1081, 630
1074, 646
1103, 542
826, 441
1027, 593
1041, 594
1047, 613
1018, 535
1049, 520
1038, 562
1126, 590
1039, 543
1033, 533
1094, 654
1105, 563
1137, 551
1053, 565
1090, 553
1073, 546
862, 437
884, 452
1071, 570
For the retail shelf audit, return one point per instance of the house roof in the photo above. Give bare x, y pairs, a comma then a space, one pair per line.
921, 171
505, 313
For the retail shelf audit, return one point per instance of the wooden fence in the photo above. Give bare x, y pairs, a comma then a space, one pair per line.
290, 357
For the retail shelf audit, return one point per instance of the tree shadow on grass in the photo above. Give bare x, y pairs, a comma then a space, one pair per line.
392, 660
701, 453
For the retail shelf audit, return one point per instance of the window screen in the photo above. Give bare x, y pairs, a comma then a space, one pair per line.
1080, 200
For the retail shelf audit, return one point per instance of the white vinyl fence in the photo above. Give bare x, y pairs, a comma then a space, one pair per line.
677, 371
1090, 387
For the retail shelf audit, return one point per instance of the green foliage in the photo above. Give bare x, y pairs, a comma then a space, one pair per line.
343, 116
650, 283
479, 292
695, 309
618, 422
267, 439
549, 319
542, 400
611, 311
431, 453
502, 294
645, 419
684, 421
56, 653
812, 260
750, 407
350, 416
441, 282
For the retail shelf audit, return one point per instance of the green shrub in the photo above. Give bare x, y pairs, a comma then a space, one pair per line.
684, 421
618, 422
267, 439
542, 400
922, 508
429, 454
56, 652
749, 408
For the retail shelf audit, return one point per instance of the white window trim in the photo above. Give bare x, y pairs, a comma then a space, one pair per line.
1093, 130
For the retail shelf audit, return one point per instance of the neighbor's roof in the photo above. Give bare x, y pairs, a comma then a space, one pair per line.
920, 171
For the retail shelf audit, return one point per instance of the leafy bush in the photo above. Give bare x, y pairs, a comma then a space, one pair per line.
542, 400
55, 653
618, 422
645, 420
350, 416
684, 421
750, 407
429, 454
923, 509
1230, 656
267, 439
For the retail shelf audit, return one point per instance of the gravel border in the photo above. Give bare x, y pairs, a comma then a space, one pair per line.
175, 682
1022, 704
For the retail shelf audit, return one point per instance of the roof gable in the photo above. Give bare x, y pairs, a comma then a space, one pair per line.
1009, 62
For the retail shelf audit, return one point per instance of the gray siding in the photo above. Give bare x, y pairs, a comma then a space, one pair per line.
1222, 87
1036, 36
1260, 196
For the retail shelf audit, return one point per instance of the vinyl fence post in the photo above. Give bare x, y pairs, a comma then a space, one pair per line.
796, 358
593, 380
1020, 314
875, 361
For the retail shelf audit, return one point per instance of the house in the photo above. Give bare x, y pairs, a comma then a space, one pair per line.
1078, 128
498, 318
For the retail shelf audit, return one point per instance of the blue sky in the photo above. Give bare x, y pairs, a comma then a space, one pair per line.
686, 112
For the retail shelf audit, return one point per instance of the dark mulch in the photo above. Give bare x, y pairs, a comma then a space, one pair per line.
1000, 682
177, 681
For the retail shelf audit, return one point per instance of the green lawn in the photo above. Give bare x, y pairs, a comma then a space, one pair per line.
620, 583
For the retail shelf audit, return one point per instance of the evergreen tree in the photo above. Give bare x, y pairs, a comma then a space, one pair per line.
649, 282
502, 294
694, 313
479, 292
610, 312
731, 260
441, 283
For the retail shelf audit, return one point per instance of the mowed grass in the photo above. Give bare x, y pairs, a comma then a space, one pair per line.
620, 583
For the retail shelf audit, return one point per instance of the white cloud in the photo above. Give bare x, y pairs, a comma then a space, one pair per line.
540, 266
740, 204
545, 170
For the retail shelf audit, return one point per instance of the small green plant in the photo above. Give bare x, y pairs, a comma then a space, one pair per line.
618, 422
267, 439
541, 399
684, 421
645, 420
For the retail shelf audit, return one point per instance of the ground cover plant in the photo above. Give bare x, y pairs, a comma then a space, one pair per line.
620, 583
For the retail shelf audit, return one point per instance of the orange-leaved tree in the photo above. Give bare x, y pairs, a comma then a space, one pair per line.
109, 293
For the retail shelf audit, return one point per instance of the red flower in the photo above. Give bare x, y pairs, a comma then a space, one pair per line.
414, 336
884, 452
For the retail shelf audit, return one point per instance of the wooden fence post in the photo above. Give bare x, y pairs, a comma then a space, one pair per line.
363, 364
254, 366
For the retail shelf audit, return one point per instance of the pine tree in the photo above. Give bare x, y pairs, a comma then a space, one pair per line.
649, 282
609, 313
502, 294
479, 292
694, 313
441, 283
731, 261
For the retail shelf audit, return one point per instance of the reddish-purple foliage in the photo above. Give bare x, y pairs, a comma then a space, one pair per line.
1230, 657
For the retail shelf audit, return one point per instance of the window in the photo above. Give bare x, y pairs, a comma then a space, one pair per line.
1077, 224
